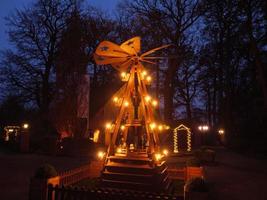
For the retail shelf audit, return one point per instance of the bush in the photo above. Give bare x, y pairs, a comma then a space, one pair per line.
194, 162
196, 184
44, 172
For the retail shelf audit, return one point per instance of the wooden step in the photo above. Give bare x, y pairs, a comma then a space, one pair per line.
127, 185
128, 176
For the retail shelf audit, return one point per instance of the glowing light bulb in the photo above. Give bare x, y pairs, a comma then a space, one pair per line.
221, 131
123, 74
144, 73
153, 125
108, 125
165, 152
154, 103
122, 127
25, 126
101, 155
126, 103
147, 98
148, 78
115, 99
167, 127
158, 156
160, 127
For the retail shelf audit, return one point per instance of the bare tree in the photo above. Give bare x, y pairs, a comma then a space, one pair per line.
167, 21
35, 33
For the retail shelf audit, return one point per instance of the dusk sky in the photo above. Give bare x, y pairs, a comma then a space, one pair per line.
8, 6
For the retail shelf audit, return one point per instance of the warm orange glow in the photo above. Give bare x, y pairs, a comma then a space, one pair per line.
203, 128
154, 103
115, 99
122, 127
158, 156
160, 127
147, 98
144, 73
153, 125
126, 103
96, 135
25, 126
108, 125
167, 127
165, 152
148, 78
101, 155
221, 131
123, 74
119, 150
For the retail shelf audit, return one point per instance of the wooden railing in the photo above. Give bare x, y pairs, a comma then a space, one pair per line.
186, 173
62, 193
91, 170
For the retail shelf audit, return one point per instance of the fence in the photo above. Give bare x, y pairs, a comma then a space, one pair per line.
75, 175
63, 193
186, 173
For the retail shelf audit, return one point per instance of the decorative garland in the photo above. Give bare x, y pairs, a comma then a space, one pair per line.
175, 138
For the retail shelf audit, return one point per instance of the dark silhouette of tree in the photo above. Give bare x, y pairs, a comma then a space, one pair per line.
35, 33
162, 22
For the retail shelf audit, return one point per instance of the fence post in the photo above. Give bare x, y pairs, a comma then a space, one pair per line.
50, 192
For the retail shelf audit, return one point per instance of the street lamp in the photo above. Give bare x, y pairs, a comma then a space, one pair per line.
203, 129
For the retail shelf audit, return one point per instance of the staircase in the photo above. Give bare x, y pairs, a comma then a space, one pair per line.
136, 171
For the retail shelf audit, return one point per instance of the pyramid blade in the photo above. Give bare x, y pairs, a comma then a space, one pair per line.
122, 66
132, 46
107, 48
143, 60
154, 50
104, 60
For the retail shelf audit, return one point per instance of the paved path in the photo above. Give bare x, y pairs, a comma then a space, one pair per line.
237, 177
16, 170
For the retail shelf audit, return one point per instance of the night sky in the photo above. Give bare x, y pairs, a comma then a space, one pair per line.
8, 6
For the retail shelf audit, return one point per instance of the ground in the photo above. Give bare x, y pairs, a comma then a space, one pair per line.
233, 177
16, 170
237, 177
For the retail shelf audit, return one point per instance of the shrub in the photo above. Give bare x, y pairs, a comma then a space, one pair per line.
194, 162
196, 184
46, 171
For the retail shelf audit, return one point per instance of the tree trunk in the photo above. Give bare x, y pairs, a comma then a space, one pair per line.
169, 91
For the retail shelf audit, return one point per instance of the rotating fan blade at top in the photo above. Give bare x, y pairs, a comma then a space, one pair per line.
123, 56
132, 46
154, 50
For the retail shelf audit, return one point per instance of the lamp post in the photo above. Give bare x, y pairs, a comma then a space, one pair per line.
24, 138
203, 129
